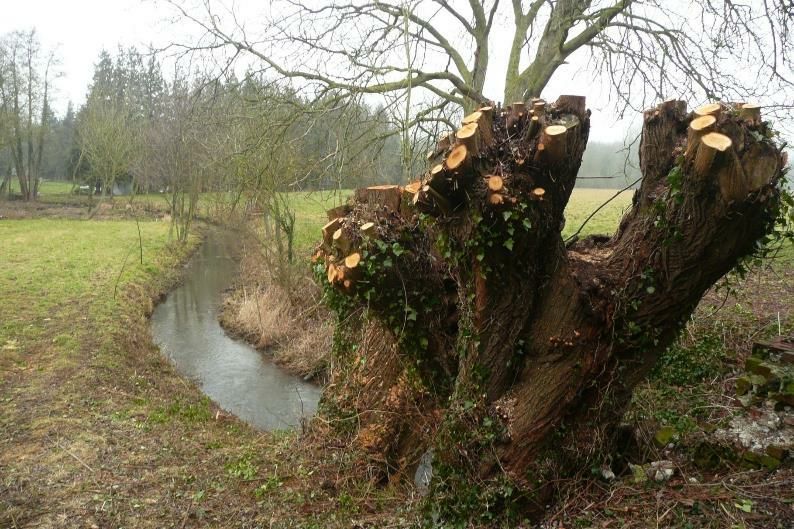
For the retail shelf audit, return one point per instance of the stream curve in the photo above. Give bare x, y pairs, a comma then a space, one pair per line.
232, 373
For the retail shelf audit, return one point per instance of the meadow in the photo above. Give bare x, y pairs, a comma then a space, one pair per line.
96, 423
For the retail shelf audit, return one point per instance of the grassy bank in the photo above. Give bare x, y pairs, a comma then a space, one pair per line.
96, 428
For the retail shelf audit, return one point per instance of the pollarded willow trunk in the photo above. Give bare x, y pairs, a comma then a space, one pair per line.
466, 326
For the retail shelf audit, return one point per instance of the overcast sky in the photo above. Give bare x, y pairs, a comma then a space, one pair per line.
80, 29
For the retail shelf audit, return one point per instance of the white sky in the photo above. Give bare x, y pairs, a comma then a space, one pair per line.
80, 29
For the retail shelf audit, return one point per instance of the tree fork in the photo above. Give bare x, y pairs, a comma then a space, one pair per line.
474, 316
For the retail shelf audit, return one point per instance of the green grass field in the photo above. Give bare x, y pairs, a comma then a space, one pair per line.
93, 419
310, 211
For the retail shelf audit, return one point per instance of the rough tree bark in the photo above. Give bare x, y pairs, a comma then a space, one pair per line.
468, 327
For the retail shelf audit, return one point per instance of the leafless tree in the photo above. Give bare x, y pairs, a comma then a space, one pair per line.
25, 78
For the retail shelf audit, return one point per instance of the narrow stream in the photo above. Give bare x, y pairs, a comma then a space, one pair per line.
230, 372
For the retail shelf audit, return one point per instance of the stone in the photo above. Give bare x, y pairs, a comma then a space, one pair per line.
660, 470
778, 452
638, 472
761, 460
743, 385
753, 364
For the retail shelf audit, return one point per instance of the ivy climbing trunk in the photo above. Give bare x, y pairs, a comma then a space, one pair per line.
469, 328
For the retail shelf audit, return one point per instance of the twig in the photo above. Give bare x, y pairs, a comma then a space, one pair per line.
575, 236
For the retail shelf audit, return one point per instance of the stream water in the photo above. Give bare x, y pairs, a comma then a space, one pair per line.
233, 374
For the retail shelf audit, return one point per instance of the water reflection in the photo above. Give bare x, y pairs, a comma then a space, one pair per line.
231, 373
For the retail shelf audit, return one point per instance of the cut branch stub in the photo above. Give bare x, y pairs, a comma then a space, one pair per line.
439, 199
495, 183
750, 113
328, 231
710, 145
458, 160
338, 212
710, 109
341, 241
368, 229
469, 135
437, 178
697, 128
553, 141
387, 196
482, 118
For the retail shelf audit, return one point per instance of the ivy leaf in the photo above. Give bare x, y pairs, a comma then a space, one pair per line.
507, 214
509, 244
527, 224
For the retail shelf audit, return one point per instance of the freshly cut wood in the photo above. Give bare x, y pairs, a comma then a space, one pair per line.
329, 229
710, 109
387, 196
495, 183
439, 199
553, 141
519, 109
339, 211
697, 128
533, 128
331, 273
496, 199
484, 120
407, 195
437, 178
539, 108
352, 261
469, 135
341, 241
538, 193
474, 117
458, 160
368, 229
750, 113
413, 187
710, 145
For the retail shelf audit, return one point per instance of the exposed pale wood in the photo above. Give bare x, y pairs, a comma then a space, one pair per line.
495, 183
353, 260
338, 211
386, 195
750, 113
474, 117
469, 135
437, 177
484, 120
458, 160
553, 141
709, 109
407, 195
538, 193
341, 241
710, 145
539, 108
495, 199
697, 128
331, 273
368, 229
329, 229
